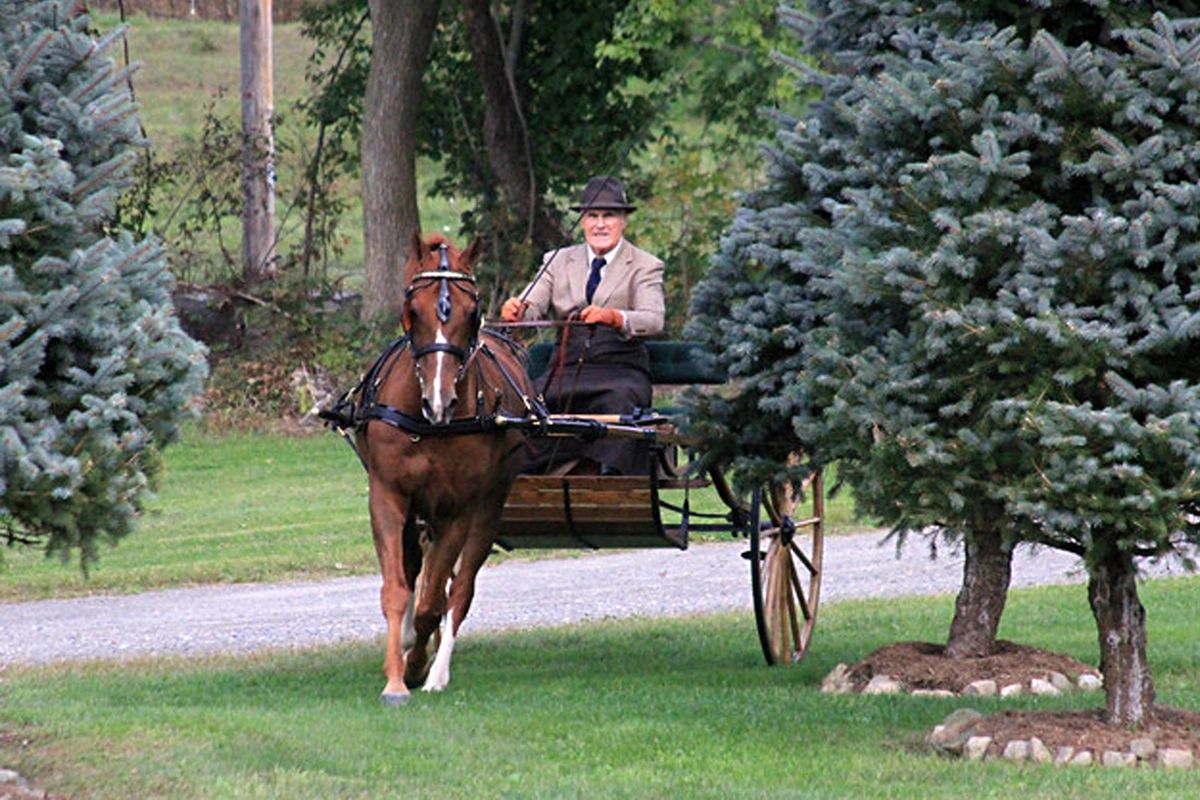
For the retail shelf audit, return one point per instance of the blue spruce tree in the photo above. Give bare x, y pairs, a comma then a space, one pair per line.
973, 282
95, 372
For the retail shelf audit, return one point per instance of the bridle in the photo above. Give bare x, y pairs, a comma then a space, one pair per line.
359, 406
444, 277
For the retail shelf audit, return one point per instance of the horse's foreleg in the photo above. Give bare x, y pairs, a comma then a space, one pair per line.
389, 514
431, 597
416, 543
462, 591
408, 634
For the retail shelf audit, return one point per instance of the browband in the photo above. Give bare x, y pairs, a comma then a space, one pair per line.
442, 274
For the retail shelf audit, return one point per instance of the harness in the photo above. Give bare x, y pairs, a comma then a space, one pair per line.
358, 406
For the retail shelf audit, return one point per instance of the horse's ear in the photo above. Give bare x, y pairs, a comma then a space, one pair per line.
416, 254
474, 250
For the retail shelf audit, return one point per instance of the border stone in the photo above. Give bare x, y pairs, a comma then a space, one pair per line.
1081, 759
1064, 755
952, 735
1012, 690
983, 688
1115, 758
1143, 748
12, 776
1176, 759
1043, 688
1016, 750
883, 684
837, 681
976, 747
1089, 682
1038, 752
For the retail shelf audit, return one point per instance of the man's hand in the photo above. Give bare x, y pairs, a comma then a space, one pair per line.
513, 309
603, 316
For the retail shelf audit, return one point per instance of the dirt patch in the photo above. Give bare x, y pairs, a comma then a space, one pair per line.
20, 790
14, 786
1086, 730
923, 665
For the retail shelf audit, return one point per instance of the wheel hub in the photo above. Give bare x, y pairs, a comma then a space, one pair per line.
787, 530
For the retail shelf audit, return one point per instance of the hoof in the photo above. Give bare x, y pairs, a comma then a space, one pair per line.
394, 698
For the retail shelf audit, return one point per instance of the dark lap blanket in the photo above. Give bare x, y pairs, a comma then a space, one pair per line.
598, 373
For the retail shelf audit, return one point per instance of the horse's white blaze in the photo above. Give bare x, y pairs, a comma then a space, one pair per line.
439, 673
439, 400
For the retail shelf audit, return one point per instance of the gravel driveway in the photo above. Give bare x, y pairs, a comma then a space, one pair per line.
515, 594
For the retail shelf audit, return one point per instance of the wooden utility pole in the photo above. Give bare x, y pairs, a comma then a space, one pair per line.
258, 143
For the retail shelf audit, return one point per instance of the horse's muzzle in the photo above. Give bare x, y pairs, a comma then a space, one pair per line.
438, 416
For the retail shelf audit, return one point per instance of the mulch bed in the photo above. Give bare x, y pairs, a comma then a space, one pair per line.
923, 665
1085, 730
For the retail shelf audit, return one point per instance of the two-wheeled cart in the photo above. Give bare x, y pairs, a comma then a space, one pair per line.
783, 525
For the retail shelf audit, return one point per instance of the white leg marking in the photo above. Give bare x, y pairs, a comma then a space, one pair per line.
439, 673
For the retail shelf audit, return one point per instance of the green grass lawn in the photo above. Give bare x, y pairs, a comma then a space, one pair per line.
187, 64
642, 709
238, 508
250, 507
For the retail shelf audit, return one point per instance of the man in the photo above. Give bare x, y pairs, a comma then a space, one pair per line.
605, 368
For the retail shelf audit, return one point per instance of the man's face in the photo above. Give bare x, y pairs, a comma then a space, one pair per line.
603, 228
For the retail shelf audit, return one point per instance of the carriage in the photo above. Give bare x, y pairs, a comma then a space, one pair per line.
784, 529
439, 423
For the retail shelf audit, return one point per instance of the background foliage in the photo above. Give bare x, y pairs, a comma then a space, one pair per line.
665, 95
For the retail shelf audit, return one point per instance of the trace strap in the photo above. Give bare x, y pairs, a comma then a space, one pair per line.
358, 406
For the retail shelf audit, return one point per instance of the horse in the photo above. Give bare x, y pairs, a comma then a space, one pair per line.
439, 467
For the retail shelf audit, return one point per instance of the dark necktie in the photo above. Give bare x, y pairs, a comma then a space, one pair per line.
594, 277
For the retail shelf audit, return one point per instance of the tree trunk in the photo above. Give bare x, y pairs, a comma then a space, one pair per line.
399, 46
1121, 624
504, 134
986, 574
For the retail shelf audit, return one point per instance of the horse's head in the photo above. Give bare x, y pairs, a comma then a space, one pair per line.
442, 315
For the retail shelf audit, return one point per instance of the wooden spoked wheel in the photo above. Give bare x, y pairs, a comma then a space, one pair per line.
785, 566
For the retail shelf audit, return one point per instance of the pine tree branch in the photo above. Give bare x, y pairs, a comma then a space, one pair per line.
1059, 544
17, 75
14, 535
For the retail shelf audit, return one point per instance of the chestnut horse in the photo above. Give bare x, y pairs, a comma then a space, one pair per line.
439, 469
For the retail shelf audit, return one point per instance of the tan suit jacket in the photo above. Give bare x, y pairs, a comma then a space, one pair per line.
632, 283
